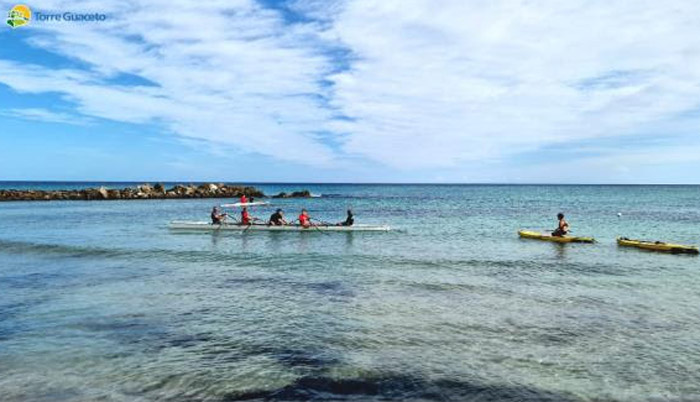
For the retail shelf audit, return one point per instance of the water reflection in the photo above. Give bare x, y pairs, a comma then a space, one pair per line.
560, 251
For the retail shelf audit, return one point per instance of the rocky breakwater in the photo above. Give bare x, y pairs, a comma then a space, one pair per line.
142, 192
295, 194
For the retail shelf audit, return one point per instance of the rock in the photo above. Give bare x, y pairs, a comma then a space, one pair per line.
145, 188
296, 194
253, 192
179, 189
103, 193
159, 188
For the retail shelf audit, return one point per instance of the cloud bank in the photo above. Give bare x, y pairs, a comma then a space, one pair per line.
226, 72
409, 84
460, 81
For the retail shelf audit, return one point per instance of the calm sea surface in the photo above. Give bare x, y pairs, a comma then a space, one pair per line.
100, 301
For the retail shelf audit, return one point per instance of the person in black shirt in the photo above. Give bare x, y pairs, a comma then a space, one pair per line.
277, 218
217, 218
563, 228
349, 221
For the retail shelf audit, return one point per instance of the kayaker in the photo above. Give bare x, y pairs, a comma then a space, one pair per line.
244, 199
349, 221
217, 218
277, 218
246, 219
563, 228
305, 219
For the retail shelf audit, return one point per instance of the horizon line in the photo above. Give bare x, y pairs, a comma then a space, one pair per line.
353, 183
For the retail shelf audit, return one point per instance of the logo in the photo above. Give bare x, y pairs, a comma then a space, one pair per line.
19, 15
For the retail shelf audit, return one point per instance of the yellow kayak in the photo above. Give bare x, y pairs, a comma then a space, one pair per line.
528, 234
657, 246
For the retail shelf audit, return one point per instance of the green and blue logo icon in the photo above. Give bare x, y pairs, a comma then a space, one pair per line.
19, 15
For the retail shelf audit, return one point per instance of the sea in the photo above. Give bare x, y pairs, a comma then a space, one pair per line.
100, 301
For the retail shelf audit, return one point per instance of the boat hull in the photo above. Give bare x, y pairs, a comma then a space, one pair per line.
245, 204
528, 234
658, 246
205, 226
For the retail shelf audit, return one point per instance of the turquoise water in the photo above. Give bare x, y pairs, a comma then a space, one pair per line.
100, 301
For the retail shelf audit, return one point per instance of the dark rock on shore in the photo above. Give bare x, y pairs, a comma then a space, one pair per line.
144, 191
296, 194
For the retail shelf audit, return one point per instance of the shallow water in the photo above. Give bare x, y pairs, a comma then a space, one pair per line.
99, 300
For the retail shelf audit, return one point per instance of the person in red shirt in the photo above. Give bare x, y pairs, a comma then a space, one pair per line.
304, 218
244, 199
246, 218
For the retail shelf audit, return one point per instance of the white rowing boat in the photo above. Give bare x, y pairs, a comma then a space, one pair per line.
206, 226
244, 204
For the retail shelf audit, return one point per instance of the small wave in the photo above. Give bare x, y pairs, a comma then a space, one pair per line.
338, 196
264, 260
20, 247
397, 387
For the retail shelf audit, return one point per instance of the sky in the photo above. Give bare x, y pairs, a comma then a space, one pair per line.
466, 91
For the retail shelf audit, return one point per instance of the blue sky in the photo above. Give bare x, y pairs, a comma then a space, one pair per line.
354, 91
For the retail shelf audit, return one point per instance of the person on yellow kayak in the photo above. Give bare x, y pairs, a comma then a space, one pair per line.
563, 228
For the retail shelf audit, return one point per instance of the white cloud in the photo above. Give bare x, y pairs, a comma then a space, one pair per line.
227, 72
45, 115
427, 85
436, 84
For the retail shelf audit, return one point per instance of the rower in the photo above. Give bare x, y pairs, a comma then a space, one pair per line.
244, 199
563, 228
246, 219
277, 218
217, 218
349, 221
305, 219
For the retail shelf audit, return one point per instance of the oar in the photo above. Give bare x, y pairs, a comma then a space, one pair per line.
319, 229
251, 224
554, 230
322, 222
252, 220
223, 222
